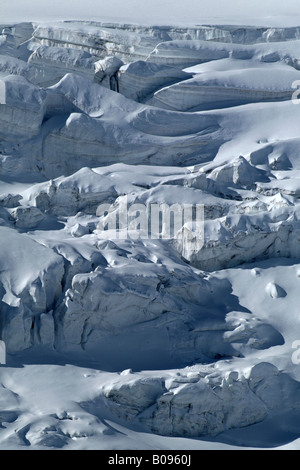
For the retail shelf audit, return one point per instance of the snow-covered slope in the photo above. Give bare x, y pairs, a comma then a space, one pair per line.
182, 341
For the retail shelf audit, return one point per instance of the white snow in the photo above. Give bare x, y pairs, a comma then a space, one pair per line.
216, 89
114, 339
162, 12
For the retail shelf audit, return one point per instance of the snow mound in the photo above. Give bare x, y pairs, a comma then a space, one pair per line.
22, 107
30, 286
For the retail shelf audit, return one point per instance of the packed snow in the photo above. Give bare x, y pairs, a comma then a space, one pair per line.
110, 337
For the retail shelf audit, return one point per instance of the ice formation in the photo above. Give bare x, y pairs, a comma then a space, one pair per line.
174, 337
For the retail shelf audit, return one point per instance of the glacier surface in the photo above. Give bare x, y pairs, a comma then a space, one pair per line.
125, 341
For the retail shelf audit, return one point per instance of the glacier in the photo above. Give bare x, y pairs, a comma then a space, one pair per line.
140, 342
